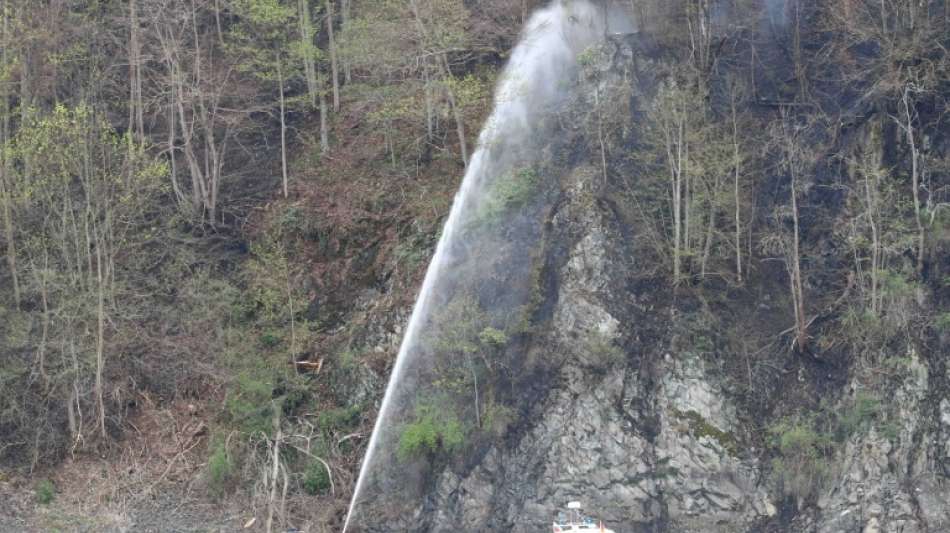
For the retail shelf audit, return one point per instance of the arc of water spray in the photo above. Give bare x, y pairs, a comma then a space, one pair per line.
533, 80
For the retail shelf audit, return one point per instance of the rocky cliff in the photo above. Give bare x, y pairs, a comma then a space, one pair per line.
690, 411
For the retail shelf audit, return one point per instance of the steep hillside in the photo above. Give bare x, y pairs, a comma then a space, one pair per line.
715, 300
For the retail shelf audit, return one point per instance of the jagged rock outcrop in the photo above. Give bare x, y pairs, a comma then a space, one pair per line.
654, 437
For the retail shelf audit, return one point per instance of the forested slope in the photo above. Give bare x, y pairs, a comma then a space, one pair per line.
216, 215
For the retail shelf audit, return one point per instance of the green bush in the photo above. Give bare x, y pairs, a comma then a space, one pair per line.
510, 191
338, 418
248, 406
221, 469
269, 339
433, 430
801, 467
858, 414
493, 337
316, 479
45, 492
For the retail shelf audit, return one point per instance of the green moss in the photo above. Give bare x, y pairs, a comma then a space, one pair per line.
700, 427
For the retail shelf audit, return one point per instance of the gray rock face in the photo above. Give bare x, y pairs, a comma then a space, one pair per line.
652, 438
639, 452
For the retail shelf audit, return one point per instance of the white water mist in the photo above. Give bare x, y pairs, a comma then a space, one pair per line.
537, 81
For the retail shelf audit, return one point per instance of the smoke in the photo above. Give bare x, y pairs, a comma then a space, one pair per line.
483, 272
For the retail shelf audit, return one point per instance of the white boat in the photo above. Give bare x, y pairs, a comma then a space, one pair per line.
574, 520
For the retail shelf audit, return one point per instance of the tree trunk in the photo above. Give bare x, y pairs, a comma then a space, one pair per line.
345, 18
275, 469
324, 128
136, 119
283, 129
100, 339
875, 242
334, 67
915, 177
798, 298
172, 157
6, 184
306, 38
737, 161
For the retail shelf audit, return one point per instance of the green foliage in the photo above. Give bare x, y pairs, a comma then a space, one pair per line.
433, 430
858, 414
316, 479
802, 466
338, 419
508, 192
248, 405
493, 337
270, 339
45, 492
221, 468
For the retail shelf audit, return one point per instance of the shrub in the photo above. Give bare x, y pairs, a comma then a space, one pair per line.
248, 405
45, 492
220, 469
338, 418
858, 414
510, 191
493, 337
316, 479
801, 468
433, 430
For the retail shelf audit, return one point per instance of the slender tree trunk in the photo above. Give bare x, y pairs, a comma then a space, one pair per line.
430, 107
345, 18
456, 112
478, 415
275, 469
100, 339
796, 271
600, 134
334, 67
136, 113
737, 162
6, 181
306, 38
875, 242
172, 156
915, 177
283, 129
44, 298
217, 20
324, 128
